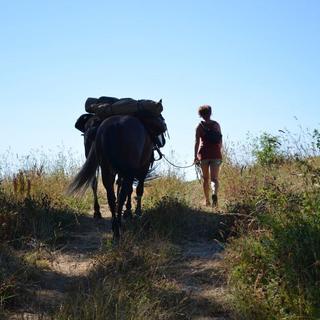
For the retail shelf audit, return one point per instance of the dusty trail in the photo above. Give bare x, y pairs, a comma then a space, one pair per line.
66, 266
199, 273
201, 277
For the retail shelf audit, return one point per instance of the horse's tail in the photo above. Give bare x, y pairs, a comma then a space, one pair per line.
87, 173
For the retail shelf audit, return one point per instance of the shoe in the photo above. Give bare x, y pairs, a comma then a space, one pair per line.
214, 200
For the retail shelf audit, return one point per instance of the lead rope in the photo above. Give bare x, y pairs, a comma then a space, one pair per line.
161, 155
198, 171
176, 166
196, 167
195, 164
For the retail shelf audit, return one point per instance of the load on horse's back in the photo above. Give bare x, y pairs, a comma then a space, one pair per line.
108, 106
120, 144
147, 111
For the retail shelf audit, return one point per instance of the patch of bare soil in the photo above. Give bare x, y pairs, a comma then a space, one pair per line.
65, 267
201, 277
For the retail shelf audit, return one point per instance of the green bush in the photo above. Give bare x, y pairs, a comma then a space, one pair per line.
267, 150
275, 269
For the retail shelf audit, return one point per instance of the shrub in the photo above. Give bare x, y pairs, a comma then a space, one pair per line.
275, 270
267, 150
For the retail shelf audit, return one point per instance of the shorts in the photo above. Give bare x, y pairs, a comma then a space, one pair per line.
214, 162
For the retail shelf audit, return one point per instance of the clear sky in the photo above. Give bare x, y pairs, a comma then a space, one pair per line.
256, 62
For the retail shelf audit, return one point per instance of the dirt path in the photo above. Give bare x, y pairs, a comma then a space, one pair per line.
199, 273
66, 266
201, 277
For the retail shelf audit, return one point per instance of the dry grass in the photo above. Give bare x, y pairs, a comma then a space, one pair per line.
272, 261
34, 215
137, 278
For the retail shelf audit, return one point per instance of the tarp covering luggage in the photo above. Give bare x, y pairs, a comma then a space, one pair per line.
92, 103
109, 106
148, 111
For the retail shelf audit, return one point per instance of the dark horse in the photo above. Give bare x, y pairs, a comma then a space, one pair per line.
121, 146
88, 124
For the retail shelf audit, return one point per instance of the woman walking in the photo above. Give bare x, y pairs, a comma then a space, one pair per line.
207, 150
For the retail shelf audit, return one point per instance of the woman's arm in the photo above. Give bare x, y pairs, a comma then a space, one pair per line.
196, 145
219, 129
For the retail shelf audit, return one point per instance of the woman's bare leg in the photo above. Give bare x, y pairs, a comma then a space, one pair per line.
206, 187
214, 177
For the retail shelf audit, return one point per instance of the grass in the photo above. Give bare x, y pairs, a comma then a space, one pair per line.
274, 272
134, 279
272, 256
273, 263
34, 214
128, 283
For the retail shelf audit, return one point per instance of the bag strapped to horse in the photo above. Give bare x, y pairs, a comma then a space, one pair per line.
157, 149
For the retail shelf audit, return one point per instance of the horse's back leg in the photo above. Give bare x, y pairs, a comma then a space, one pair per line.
108, 182
94, 185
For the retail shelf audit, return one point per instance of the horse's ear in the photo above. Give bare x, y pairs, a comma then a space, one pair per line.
160, 101
81, 122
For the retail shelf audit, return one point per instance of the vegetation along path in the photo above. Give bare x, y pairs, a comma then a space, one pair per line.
57, 263
195, 273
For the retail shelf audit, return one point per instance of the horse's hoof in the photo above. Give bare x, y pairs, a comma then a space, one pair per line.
116, 227
115, 241
97, 215
127, 214
138, 214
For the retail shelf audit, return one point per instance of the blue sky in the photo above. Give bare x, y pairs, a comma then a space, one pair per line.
256, 62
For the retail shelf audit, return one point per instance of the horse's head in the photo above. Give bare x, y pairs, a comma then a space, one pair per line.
87, 121
82, 121
92, 122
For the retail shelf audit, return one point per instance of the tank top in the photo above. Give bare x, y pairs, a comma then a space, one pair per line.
207, 149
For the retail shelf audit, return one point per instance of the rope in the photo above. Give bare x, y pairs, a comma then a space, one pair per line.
195, 164
198, 172
174, 165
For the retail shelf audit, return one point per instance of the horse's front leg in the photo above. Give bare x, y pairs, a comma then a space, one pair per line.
118, 183
125, 191
128, 212
108, 182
